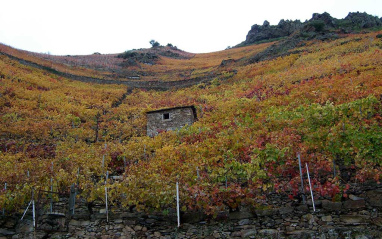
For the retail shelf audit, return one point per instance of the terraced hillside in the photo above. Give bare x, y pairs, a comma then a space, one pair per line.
321, 100
166, 73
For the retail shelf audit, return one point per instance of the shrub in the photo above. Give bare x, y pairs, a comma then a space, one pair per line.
318, 25
128, 54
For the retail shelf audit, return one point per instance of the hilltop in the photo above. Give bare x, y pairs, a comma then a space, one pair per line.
165, 67
291, 34
320, 26
154, 68
315, 93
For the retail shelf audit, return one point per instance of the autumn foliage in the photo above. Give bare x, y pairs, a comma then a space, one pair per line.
322, 101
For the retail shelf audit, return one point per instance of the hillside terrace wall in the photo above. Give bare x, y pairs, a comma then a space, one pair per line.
150, 85
358, 217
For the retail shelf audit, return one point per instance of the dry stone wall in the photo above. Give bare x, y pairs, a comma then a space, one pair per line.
177, 118
360, 216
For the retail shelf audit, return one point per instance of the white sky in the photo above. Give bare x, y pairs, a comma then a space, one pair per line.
78, 27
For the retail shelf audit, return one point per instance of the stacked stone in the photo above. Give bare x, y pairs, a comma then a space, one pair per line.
358, 217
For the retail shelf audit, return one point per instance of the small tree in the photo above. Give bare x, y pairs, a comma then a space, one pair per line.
154, 43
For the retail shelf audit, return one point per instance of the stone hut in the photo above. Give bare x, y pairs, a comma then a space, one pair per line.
169, 119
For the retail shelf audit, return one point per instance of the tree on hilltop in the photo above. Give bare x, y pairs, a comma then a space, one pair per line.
154, 43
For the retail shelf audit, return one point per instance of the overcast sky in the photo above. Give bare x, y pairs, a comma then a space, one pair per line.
78, 27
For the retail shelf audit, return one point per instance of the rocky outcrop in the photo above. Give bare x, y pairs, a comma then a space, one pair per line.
267, 32
320, 27
133, 57
320, 23
362, 20
324, 17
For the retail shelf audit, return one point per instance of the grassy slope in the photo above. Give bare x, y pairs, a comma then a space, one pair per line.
109, 66
323, 103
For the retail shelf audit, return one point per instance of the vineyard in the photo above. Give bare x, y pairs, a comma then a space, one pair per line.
322, 101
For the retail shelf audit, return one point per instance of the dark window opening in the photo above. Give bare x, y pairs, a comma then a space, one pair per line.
166, 116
